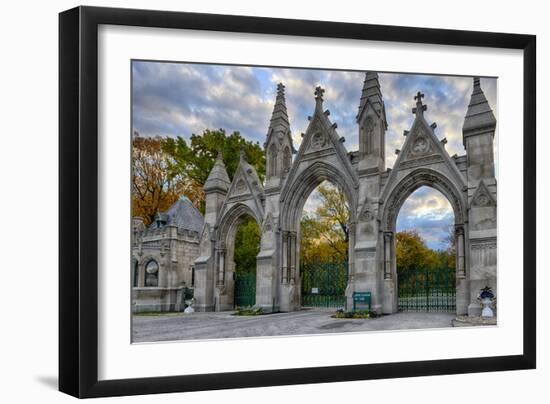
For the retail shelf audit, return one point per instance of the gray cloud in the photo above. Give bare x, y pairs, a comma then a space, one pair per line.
178, 99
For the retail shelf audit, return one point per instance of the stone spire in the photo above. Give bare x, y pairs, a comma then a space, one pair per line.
372, 123
479, 117
371, 93
279, 118
218, 178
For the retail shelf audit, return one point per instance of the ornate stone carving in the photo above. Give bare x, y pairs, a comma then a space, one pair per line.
484, 246
367, 214
318, 141
421, 145
241, 186
420, 161
268, 223
205, 240
482, 196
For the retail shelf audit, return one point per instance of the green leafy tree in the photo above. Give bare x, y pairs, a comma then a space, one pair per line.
412, 252
325, 234
197, 158
247, 245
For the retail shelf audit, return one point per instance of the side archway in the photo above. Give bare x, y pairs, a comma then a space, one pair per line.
410, 183
224, 252
396, 196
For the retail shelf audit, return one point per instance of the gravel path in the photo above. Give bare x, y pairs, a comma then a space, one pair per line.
308, 321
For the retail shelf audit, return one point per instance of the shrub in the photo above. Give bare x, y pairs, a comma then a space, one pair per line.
248, 311
351, 314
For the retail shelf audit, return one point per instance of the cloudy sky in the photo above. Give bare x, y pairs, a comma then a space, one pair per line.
179, 99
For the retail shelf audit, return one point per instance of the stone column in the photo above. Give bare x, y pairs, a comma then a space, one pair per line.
221, 265
459, 239
292, 256
351, 252
284, 257
388, 241
141, 275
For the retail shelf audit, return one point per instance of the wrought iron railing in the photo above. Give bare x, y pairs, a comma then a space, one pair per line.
324, 283
428, 290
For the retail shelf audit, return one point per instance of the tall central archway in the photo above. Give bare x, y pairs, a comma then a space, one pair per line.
296, 194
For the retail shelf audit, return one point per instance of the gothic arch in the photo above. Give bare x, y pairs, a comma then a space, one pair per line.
224, 251
393, 198
297, 192
411, 182
232, 218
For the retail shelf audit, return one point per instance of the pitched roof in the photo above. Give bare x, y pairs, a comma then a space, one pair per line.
182, 214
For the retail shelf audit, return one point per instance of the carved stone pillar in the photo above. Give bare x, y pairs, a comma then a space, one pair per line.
459, 238
388, 245
284, 249
351, 252
292, 255
220, 253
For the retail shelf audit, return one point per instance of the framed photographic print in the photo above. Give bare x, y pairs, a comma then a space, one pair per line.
251, 201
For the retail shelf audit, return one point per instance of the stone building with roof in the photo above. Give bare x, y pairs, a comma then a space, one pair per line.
163, 256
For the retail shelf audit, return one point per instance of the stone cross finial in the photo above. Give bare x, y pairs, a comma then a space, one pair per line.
319, 91
280, 88
242, 154
420, 108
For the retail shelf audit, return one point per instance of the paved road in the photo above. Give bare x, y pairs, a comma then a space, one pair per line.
224, 325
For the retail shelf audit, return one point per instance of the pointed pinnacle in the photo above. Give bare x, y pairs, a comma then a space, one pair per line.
319, 91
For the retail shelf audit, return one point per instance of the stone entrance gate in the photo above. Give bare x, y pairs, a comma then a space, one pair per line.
375, 195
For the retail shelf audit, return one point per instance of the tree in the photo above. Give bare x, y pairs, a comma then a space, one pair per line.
412, 252
334, 210
247, 245
154, 186
325, 234
197, 159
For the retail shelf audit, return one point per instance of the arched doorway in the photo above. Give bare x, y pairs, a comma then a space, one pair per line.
324, 248
393, 205
425, 253
246, 248
236, 250
295, 196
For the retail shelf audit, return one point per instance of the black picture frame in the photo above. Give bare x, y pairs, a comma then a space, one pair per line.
78, 196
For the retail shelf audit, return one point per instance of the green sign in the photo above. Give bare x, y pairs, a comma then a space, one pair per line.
361, 297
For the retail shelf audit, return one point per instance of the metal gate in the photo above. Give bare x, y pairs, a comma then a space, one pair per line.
245, 289
324, 283
431, 290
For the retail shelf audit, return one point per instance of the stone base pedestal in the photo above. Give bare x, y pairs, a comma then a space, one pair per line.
462, 296
201, 308
158, 299
470, 321
288, 301
389, 301
474, 310
224, 299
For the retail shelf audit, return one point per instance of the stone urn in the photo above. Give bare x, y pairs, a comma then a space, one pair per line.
189, 309
486, 298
